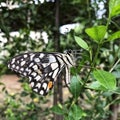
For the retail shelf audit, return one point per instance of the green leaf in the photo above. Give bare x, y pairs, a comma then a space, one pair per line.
81, 43
58, 109
76, 113
106, 79
114, 36
117, 90
114, 8
109, 93
96, 86
116, 73
97, 33
26, 87
75, 86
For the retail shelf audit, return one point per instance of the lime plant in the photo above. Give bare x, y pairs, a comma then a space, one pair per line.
92, 94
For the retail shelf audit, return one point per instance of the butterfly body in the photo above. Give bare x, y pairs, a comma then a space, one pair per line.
42, 69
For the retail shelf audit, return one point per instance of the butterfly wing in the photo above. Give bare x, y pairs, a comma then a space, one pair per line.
42, 70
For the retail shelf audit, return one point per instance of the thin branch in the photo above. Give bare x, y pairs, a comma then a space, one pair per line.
115, 65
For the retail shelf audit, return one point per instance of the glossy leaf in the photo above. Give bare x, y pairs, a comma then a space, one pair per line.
58, 110
106, 79
114, 36
114, 8
75, 86
81, 43
117, 90
75, 113
96, 86
97, 33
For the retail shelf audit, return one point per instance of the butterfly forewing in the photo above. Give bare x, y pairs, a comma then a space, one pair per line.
42, 69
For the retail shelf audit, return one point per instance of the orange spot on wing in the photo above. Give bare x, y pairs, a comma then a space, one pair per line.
50, 85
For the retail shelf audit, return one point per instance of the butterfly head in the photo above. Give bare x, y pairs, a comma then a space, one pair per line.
74, 53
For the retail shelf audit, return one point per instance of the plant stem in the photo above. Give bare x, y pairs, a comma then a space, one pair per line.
96, 55
92, 64
114, 65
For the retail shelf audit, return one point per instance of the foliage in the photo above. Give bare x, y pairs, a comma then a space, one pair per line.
92, 87
103, 82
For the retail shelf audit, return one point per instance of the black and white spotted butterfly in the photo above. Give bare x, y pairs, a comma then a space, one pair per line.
42, 69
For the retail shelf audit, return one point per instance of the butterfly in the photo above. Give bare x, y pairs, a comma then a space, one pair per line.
42, 68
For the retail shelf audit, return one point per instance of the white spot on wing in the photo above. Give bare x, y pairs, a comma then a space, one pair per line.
41, 55
37, 77
30, 78
55, 73
21, 69
37, 60
31, 57
38, 85
35, 67
28, 70
41, 92
25, 56
22, 59
8, 65
50, 73
13, 60
18, 61
13, 66
45, 65
44, 85
24, 73
17, 67
36, 90
46, 74
31, 64
34, 74
22, 63
52, 58
32, 84
54, 66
